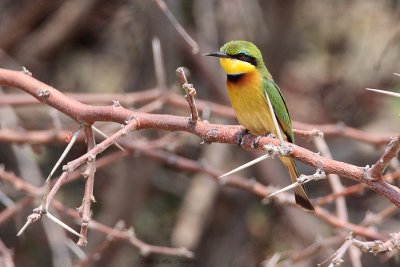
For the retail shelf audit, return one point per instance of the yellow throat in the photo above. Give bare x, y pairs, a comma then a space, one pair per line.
233, 66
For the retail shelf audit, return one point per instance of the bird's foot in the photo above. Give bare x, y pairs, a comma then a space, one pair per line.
285, 149
241, 135
255, 142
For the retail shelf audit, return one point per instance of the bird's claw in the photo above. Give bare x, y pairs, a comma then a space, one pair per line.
255, 142
285, 149
240, 139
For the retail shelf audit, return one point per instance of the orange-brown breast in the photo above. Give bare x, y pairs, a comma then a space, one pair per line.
250, 104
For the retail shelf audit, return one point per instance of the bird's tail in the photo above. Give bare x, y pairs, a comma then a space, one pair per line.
299, 192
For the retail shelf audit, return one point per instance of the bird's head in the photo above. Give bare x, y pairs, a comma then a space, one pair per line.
239, 57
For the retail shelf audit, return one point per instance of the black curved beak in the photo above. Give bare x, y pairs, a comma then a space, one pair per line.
216, 54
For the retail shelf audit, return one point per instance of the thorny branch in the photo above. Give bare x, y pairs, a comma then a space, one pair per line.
115, 233
378, 246
208, 132
251, 186
87, 114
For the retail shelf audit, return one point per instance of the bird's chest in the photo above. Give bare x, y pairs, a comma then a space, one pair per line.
251, 106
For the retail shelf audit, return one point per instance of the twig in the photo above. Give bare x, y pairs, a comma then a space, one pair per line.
190, 93
355, 189
84, 209
44, 205
100, 248
377, 218
49, 195
131, 125
339, 129
309, 134
127, 235
313, 249
126, 99
121, 235
340, 202
354, 228
97, 130
391, 151
379, 246
195, 47
71, 166
337, 259
334, 180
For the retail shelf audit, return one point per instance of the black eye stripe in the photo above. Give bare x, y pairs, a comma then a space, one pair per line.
245, 58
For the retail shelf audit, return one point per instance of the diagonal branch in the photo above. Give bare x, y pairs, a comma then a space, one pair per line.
391, 151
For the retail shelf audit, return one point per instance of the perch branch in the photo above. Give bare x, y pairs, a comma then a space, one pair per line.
208, 132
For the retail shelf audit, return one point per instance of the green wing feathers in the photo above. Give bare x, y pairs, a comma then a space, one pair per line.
280, 108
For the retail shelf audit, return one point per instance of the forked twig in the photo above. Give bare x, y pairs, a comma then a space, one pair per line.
189, 96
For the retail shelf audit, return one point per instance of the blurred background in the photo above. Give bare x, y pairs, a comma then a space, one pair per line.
323, 54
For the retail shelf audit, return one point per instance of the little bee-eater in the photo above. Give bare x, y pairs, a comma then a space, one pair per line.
248, 82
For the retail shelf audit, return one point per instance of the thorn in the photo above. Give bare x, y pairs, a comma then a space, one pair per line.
45, 94
63, 225
383, 92
26, 71
64, 154
35, 216
303, 179
287, 188
246, 165
116, 104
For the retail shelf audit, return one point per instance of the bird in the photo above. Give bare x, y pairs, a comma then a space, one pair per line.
248, 82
